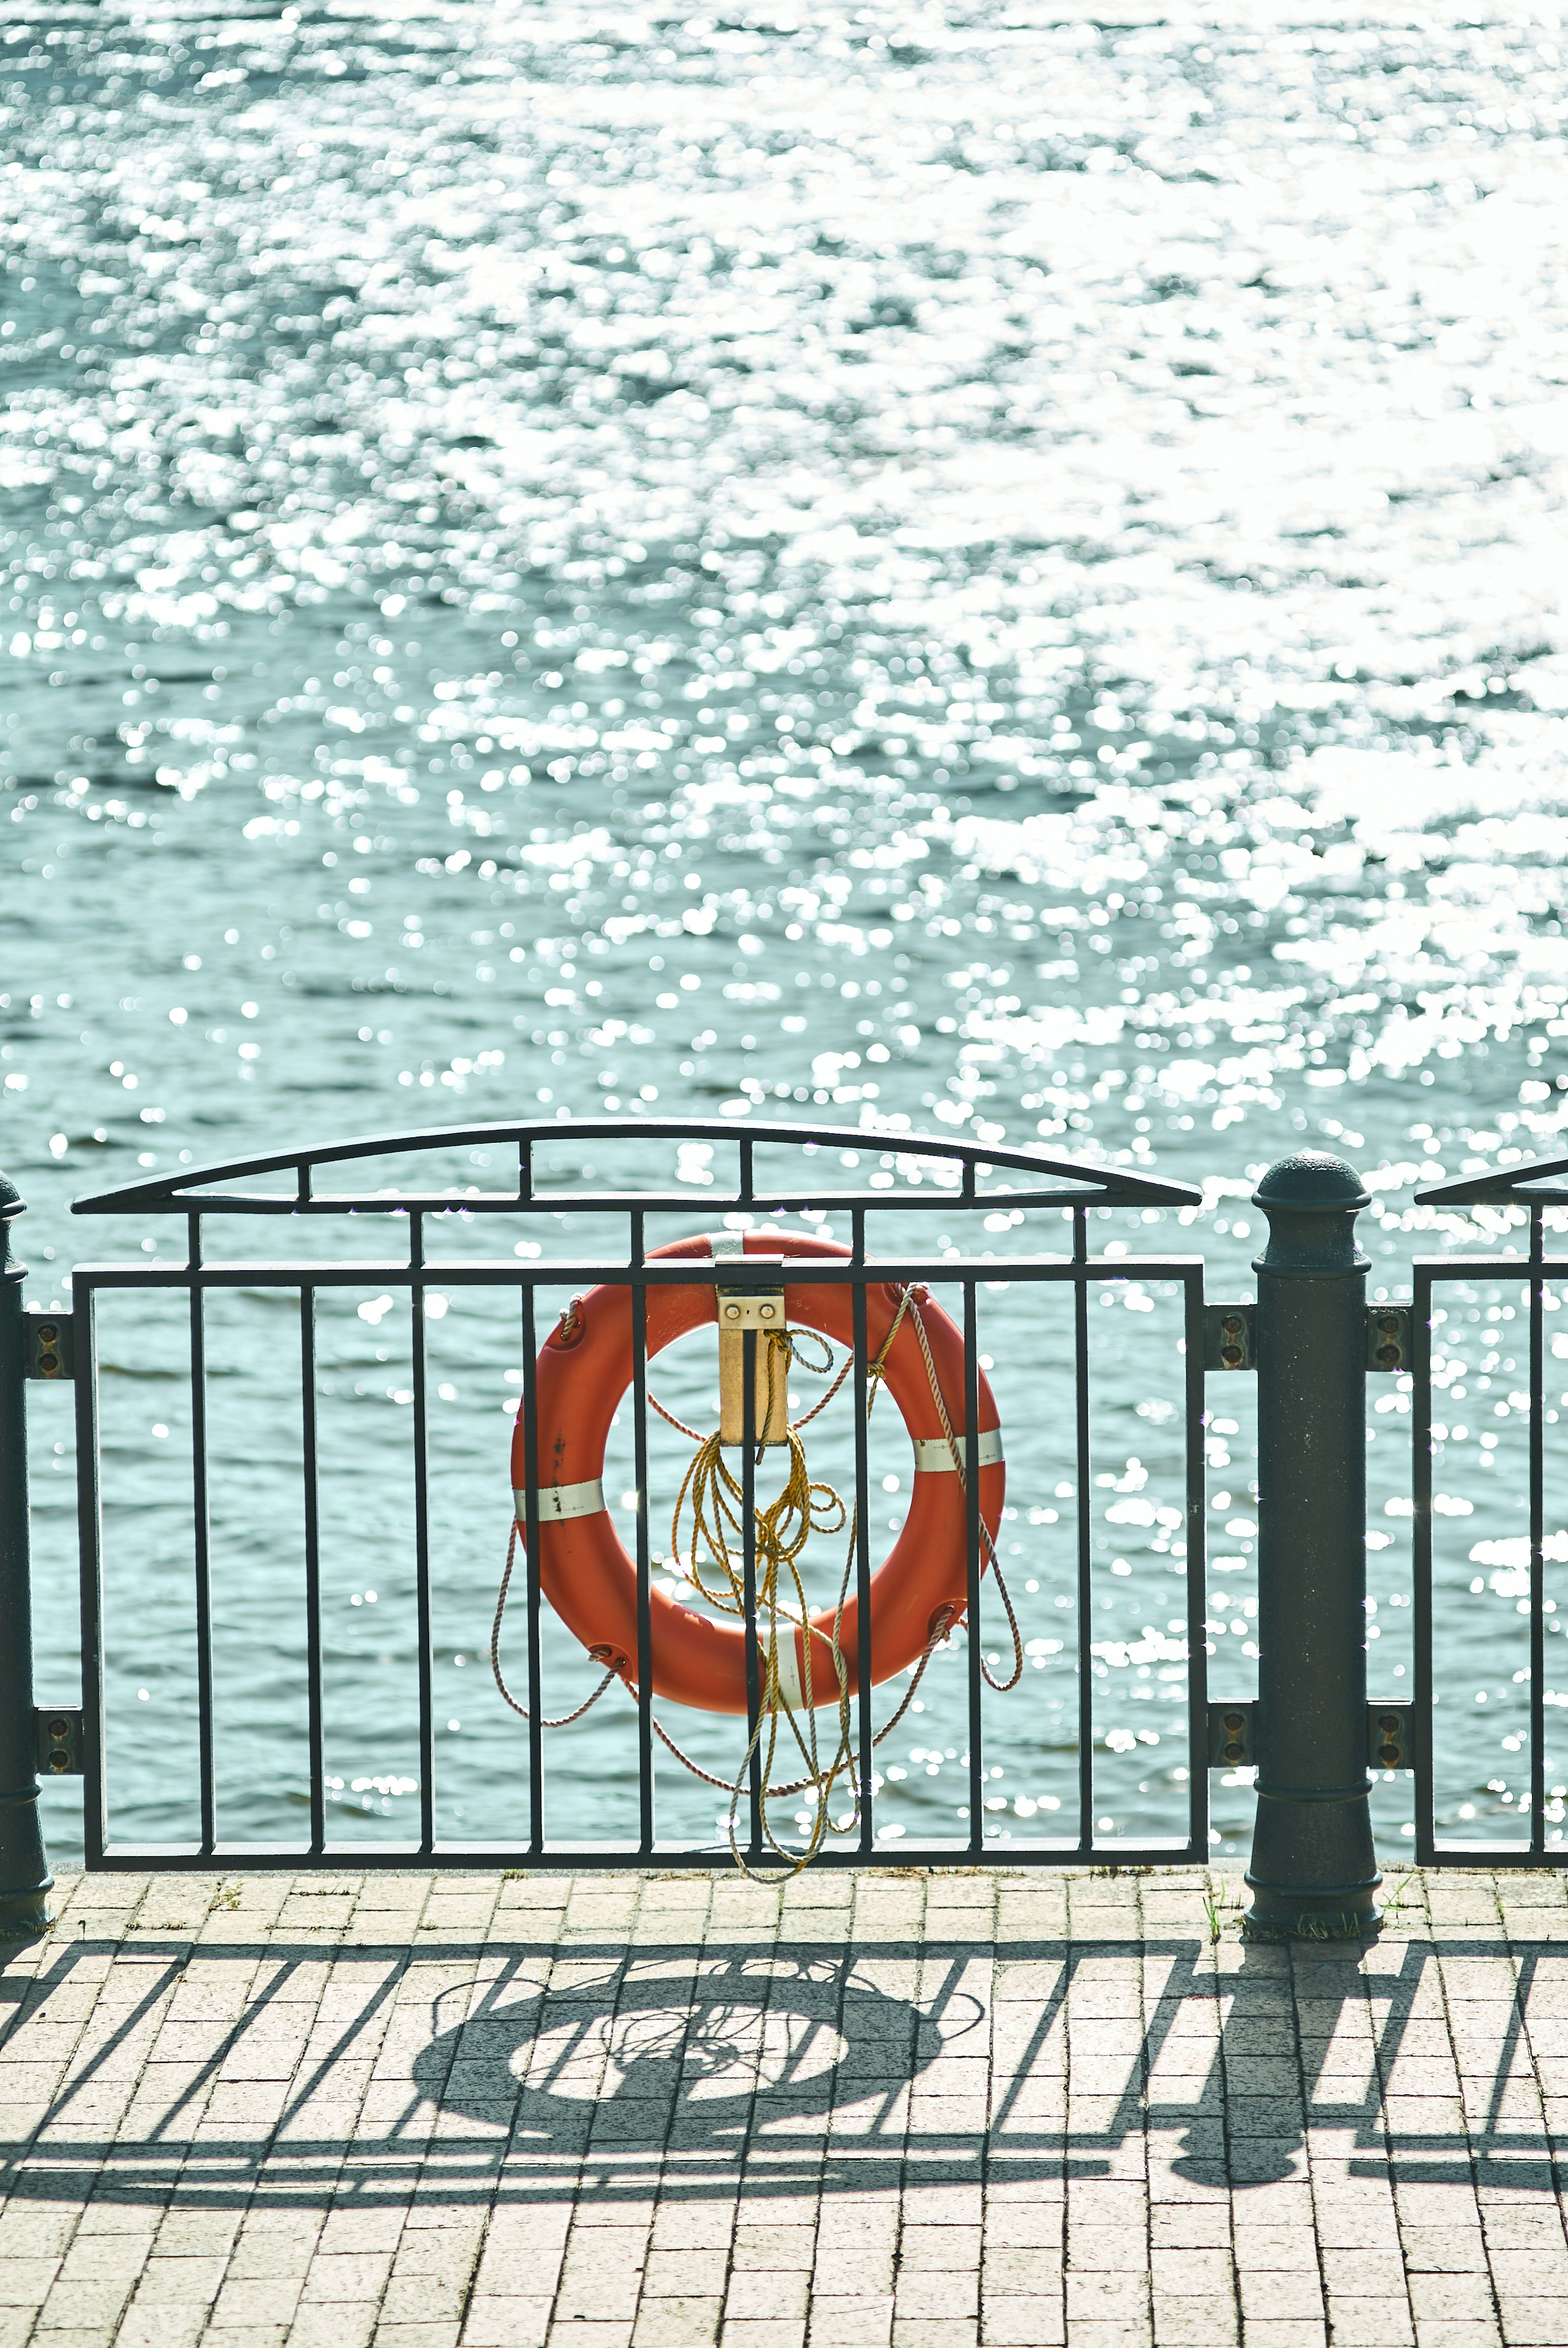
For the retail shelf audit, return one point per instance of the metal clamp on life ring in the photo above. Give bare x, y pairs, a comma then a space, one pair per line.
584, 1370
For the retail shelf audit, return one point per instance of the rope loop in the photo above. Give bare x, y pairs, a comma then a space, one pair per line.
714, 1568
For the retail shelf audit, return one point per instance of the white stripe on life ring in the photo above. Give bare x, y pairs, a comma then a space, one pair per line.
790, 1689
933, 1455
558, 1502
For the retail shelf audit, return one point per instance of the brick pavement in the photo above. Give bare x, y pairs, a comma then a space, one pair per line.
880, 2110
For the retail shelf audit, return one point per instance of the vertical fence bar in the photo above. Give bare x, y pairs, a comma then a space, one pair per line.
1537, 1529
422, 1541
975, 1657
1422, 1562
201, 1518
644, 1588
90, 1546
862, 1538
749, 1585
1197, 1574
531, 1565
25, 1878
312, 1570
1080, 1404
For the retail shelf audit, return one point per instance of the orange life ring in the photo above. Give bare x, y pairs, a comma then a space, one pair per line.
585, 1369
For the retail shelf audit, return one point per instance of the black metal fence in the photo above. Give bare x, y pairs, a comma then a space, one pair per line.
1309, 1733
1529, 1190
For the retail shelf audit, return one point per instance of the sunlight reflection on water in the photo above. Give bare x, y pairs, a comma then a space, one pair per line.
1006, 577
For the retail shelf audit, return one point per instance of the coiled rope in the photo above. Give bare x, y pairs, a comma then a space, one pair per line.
781, 1531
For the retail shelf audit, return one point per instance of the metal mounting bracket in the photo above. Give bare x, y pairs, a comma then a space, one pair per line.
1390, 1735
59, 1736
1390, 1337
48, 1345
1233, 1734
1230, 1336
758, 1310
751, 1308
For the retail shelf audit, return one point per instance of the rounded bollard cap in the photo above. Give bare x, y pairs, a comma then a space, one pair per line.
1311, 1182
11, 1199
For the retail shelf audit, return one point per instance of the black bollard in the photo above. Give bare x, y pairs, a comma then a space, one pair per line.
1313, 1871
25, 1878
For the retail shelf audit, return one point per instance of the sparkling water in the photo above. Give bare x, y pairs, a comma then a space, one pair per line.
917, 568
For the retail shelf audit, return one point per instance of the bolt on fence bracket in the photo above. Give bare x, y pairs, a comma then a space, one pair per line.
758, 1310
1390, 1740
48, 1345
1232, 1728
1390, 1735
59, 1732
1389, 1338
1230, 1336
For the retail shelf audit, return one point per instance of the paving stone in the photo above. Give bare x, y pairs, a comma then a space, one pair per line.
338, 2324
858, 2323
928, 2293
755, 2294
684, 2274
1367, 2322
346, 2277
1441, 2333
85, 2306
1466, 2298
1024, 2323
1195, 2323
1534, 2322
493, 2323
678, 2322
167, 2324
1271, 2293
1217, 2211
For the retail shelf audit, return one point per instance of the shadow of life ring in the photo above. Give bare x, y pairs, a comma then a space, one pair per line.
584, 1370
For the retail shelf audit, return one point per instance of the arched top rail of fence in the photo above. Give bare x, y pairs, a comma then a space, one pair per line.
1537, 1183
1047, 1181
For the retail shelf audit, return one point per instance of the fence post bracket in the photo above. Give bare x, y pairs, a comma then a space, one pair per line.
1233, 1734
49, 1344
1230, 1336
1389, 1338
1390, 1735
59, 1736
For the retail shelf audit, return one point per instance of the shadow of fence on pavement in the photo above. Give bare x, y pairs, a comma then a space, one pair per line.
516, 2070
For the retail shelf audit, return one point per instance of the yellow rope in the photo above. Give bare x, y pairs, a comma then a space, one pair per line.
782, 1530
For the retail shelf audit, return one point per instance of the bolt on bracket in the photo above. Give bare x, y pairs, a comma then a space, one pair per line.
59, 1729
1233, 1730
1230, 1336
1390, 1337
761, 1310
48, 1345
1390, 1735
